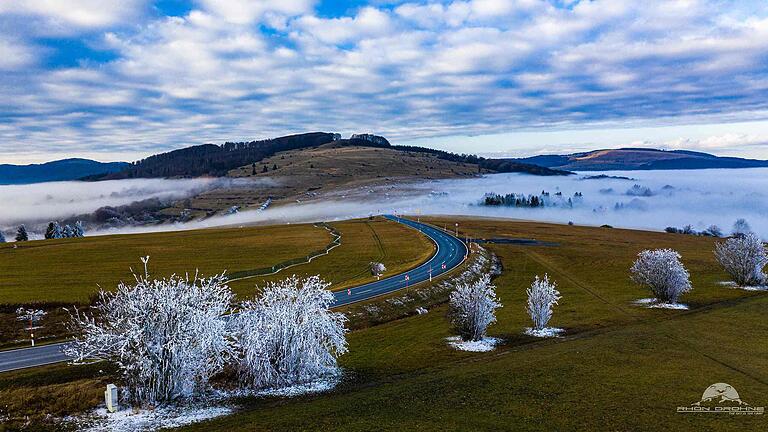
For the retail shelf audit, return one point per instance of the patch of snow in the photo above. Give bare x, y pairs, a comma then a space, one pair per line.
146, 420
657, 304
421, 310
546, 332
484, 345
673, 306
734, 285
318, 386
645, 301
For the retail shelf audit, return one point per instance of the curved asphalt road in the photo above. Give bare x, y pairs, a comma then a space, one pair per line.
450, 253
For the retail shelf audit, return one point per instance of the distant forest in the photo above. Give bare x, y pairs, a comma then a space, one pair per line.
217, 160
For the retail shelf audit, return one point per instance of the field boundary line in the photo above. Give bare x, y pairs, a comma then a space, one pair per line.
277, 268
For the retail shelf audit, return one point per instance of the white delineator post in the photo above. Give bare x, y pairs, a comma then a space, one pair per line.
110, 397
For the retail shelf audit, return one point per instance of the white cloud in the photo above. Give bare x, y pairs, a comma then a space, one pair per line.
416, 70
62, 14
248, 11
15, 55
369, 22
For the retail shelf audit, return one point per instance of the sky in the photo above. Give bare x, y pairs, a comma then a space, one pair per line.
123, 79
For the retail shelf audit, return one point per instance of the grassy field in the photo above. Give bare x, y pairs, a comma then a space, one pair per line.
71, 270
57, 273
398, 247
620, 367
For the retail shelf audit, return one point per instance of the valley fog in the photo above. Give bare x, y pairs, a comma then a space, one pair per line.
699, 198
664, 198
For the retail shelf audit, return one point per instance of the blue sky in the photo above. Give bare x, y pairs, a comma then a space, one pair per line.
121, 79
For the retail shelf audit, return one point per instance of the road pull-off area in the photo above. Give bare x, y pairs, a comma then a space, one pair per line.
450, 253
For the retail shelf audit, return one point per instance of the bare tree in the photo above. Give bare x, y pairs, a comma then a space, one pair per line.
542, 296
289, 335
473, 308
167, 336
662, 271
743, 257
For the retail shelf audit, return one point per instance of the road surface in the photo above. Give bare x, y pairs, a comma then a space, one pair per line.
450, 253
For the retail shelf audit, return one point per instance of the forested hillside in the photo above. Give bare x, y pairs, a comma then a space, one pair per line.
216, 160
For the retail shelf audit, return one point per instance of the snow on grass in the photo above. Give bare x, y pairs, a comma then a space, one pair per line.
318, 386
126, 420
734, 285
173, 416
484, 345
546, 332
657, 304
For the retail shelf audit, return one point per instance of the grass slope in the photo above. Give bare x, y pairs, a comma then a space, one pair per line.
301, 174
620, 367
70, 270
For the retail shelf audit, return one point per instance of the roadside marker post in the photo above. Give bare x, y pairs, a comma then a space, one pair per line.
110, 397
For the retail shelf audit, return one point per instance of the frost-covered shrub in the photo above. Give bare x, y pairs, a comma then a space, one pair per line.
166, 336
377, 268
289, 335
33, 316
743, 257
473, 308
542, 295
661, 271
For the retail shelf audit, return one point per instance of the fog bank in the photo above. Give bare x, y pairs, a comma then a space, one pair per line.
42, 202
663, 198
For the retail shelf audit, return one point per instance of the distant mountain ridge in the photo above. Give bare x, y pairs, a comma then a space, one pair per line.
60, 170
639, 159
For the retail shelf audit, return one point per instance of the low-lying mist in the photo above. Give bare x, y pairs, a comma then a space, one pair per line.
699, 198
663, 198
43, 202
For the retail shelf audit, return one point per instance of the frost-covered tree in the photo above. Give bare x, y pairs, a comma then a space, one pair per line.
289, 335
79, 229
542, 296
661, 271
32, 316
2, 237
166, 336
473, 308
377, 268
713, 230
744, 257
57, 231
68, 231
740, 227
22, 234
49, 231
